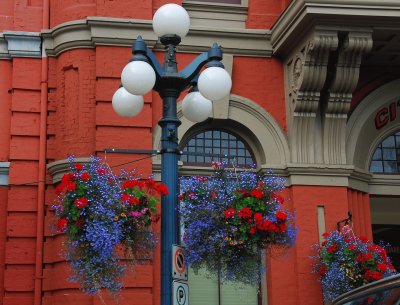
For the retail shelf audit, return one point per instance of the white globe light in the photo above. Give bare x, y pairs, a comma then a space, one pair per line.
126, 104
195, 107
214, 83
171, 19
138, 77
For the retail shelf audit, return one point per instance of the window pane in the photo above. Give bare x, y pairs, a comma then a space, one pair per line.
386, 158
389, 154
377, 154
388, 142
238, 294
203, 290
389, 166
217, 143
376, 167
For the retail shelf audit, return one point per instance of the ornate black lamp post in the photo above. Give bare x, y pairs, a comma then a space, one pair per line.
144, 73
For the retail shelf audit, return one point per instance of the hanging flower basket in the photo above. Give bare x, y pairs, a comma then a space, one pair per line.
230, 218
345, 262
101, 215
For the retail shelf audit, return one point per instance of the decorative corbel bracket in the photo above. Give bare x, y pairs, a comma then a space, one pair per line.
353, 46
321, 75
306, 72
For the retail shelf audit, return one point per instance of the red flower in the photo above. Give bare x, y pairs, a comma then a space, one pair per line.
368, 256
332, 249
256, 193
60, 188
360, 258
382, 267
245, 213
133, 200
242, 192
125, 197
78, 166
252, 231
371, 248
62, 224
278, 198
85, 176
162, 189
150, 183
322, 270
347, 240
81, 202
325, 234
71, 186
373, 275
101, 171
263, 226
282, 227
213, 194
66, 178
258, 217
364, 239
229, 213
181, 196
280, 216
351, 247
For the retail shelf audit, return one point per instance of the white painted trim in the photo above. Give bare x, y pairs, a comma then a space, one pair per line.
321, 222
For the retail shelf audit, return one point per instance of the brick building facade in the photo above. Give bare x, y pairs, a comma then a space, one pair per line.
315, 96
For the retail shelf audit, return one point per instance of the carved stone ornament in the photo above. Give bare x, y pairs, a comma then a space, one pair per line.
318, 104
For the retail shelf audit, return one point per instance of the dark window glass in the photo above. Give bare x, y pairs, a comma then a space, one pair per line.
386, 158
217, 145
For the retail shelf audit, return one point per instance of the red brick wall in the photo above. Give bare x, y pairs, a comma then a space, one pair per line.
23, 140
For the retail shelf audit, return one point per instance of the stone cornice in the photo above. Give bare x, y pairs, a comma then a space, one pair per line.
20, 44
93, 31
302, 15
385, 185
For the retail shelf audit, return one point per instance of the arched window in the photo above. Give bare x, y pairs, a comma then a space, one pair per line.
216, 144
386, 158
